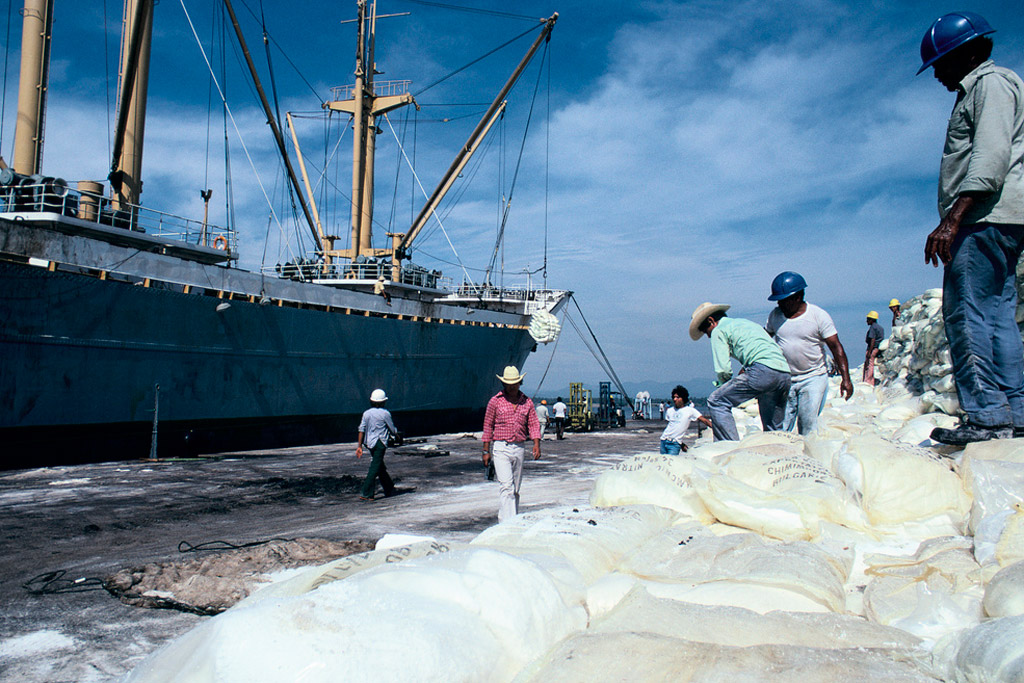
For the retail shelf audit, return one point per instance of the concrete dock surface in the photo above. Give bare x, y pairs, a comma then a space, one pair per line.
72, 527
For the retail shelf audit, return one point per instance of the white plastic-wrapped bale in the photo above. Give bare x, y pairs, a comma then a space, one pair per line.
591, 539
931, 594
992, 652
1004, 594
642, 656
497, 611
651, 479
740, 570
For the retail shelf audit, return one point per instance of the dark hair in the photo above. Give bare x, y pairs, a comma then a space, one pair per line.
980, 48
716, 316
682, 393
983, 45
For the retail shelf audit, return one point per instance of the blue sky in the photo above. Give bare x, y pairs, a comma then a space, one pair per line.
694, 149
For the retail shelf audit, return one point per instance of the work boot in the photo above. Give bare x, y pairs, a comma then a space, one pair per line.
967, 433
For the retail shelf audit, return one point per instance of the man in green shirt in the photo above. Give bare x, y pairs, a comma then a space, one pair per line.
764, 374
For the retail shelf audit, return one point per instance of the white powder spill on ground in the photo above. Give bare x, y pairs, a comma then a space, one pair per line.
36, 644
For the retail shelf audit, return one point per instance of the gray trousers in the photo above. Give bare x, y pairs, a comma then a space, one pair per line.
771, 389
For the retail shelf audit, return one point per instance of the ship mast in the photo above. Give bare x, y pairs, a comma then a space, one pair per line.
126, 168
37, 18
365, 105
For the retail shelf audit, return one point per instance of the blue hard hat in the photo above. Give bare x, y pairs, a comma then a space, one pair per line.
786, 284
949, 32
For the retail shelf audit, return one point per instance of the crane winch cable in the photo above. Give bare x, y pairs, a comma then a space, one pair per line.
612, 375
478, 59
515, 174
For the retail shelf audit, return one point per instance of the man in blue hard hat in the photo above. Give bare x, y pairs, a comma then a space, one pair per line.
802, 331
981, 232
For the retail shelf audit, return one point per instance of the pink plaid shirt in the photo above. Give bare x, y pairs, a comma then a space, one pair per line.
508, 421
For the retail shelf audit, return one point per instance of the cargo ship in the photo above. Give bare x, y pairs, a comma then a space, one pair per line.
126, 332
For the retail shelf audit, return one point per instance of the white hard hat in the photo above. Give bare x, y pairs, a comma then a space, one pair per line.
378, 396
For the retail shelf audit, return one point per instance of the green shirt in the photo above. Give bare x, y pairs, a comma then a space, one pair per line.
745, 341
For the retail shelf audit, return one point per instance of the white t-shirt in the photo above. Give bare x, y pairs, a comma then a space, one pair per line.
802, 339
678, 422
559, 409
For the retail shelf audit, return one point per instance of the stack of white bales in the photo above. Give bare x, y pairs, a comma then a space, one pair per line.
853, 555
916, 354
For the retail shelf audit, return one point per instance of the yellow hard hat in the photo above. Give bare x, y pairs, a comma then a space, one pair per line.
894, 302
873, 315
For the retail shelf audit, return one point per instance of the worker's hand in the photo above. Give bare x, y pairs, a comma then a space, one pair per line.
536, 451
846, 388
487, 457
359, 451
939, 244
683, 447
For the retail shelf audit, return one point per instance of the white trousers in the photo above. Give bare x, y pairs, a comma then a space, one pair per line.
508, 468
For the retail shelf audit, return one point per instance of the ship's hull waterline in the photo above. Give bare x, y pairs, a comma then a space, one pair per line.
242, 361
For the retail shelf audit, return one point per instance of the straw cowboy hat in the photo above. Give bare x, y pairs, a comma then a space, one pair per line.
701, 314
511, 375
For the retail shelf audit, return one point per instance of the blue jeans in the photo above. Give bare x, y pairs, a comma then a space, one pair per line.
770, 388
806, 400
669, 447
979, 303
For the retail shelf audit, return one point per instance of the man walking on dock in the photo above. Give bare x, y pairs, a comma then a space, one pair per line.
764, 375
802, 331
981, 229
374, 429
559, 410
510, 419
873, 338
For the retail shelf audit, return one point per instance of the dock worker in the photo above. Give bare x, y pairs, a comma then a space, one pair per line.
764, 374
559, 410
803, 330
374, 429
510, 419
542, 417
873, 338
681, 415
894, 306
980, 234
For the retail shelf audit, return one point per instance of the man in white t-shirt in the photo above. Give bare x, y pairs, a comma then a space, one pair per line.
558, 411
802, 331
679, 415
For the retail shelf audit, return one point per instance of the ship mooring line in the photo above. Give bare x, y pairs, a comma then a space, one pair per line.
186, 547
54, 582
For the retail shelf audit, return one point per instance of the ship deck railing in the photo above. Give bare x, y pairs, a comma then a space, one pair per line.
53, 196
364, 275
341, 93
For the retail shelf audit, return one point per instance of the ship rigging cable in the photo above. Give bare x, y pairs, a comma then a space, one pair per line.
515, 174
234, 124
602, 360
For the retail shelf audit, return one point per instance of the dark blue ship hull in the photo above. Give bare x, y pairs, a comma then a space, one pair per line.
82, 357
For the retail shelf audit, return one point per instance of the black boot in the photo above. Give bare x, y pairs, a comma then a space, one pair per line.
967, 433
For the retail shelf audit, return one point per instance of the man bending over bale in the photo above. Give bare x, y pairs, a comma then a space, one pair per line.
764, 374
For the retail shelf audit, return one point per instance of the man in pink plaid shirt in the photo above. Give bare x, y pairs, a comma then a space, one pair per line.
509, 421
